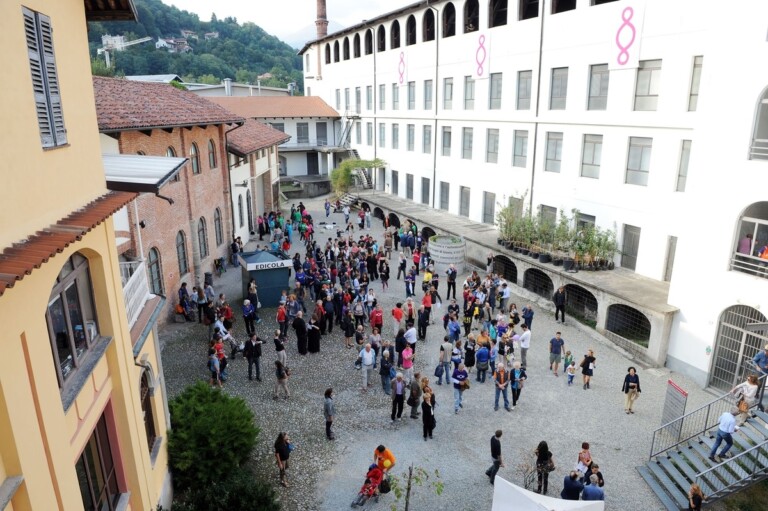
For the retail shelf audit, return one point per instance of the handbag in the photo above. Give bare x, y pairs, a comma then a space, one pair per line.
258, 305
385, 486
392, 373
439, 371
743, 405
550, 466
411, 401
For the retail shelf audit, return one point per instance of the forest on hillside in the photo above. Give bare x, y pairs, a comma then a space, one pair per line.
241, 51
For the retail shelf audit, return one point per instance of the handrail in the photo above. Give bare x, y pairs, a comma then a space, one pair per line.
743, 462
696, 422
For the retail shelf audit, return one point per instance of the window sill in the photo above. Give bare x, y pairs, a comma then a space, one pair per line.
155, 450
75, 384
124, 502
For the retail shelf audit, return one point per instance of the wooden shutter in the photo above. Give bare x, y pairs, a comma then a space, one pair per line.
52, 79
38, 78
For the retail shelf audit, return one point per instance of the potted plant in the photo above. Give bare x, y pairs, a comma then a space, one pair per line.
546, 237
505, 219
607, 248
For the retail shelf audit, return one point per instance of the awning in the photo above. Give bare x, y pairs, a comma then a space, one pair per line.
508, 497
140, 173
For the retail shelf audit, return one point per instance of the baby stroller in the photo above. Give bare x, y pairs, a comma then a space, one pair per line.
370, 487
236, 347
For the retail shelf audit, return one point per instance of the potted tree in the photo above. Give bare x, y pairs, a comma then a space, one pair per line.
607, 249
505, 219
546, 237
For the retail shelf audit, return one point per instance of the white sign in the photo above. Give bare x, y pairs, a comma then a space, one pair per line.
284, 263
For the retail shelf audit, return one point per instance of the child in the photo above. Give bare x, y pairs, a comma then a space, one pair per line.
568, 359
571, 372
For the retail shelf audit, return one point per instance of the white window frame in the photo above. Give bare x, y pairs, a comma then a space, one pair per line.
640, 149
591, 155
554, 151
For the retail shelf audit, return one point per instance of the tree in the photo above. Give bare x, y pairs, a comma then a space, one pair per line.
341, 176
414, 476
238, 490
525, 469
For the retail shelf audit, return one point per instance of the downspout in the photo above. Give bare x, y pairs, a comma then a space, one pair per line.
228, 178
374, 38
435, 94
197, 263
538, 90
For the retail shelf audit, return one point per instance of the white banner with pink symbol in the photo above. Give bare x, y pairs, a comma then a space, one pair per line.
402, 69
480, 59
626, 30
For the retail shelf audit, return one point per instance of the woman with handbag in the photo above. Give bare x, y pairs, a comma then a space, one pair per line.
746, 392
631, 389
544, 465
517, 377
587, 367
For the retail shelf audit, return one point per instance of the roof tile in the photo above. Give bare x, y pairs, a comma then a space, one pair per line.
254, 135
261, 107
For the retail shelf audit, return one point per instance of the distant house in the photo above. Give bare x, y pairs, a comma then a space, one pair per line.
229, 88
188, 34
162, 43
211, 35
155, 78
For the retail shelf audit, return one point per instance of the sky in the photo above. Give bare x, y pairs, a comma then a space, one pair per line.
288, 18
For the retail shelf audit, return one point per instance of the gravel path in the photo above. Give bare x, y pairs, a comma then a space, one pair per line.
327, 475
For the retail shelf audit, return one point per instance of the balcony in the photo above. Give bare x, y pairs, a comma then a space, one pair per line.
309, 144
133, 275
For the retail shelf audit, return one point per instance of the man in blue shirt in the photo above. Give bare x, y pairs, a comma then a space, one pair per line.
761, 361
724, 432
593, 490
556, 346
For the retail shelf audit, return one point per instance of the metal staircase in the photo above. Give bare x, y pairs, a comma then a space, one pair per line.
680, 454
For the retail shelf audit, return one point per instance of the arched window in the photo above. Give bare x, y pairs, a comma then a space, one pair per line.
394, 35
327, 53
345, 48
240, 209
368, 42
629, 323
759, 148
181, 252
497, 13
202, 238
336, 51
71, 317
249, 210
141, 153
381, 39
194, 158
218, 231
749, 254
735, 346
449, 20
471, 16
538, 282
171, 153
428, 26
410, 31
356, 46
211, 154
146, 409
154, 265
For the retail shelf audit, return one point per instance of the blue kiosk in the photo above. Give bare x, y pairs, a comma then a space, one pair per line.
271, 270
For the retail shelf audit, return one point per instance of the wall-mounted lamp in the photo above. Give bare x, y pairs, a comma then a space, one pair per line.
142, 224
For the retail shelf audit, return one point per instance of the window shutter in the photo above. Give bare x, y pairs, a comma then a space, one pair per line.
57, 116
38, 79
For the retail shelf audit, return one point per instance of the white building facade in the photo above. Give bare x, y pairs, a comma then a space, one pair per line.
617, 109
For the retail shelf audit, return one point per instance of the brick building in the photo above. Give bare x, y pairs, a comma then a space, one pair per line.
190, 225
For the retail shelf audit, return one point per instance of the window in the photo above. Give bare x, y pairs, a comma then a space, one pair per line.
428, 26
181, 252
489, 208
145, 393
682, 171
670, 262
409, 186
469, 93
447, 93
446, 141
410, 137
358, 99
394, 35
464, 196
382, 134
302, 132
547, 214
471, 16
358, 133
381, 39
395, 182
524, 90
202, 238
693, 99
327, 53
171, 153
590, 156
520, 156
497, 15
426, 141
410, 31
466, 143
630, 246
528, 9
554, 152
356, 46
648, 84
154, 265
96, 473
598, 87
346, 99
70, 315
559, 6
279, 126
194, 158
449, 20
494, 96
428, 93
369, 97
369, 133
382, 96
217, 227
345, 49
395, 96
321, 133
559, 90
211, 154
338, 99
45, 78
638, 161
249, 210
492, 146
411, 95
425, 186
584, 221
336, 51
445, 195
240, 214
368, 42
395, 136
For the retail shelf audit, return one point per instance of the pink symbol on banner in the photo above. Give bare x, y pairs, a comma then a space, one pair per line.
401, 67
480, 55
626, 16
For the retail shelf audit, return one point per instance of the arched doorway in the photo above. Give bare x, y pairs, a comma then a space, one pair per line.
378, 213
581, 305
735, 346
427, 232
394, 220
536, 281
364, 206
629, 323
503, 265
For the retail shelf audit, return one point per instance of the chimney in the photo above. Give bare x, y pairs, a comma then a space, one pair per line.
322, 21
227, 86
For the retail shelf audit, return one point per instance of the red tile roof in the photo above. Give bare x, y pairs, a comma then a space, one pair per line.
270, 107
123, 105
19, 260
254, 135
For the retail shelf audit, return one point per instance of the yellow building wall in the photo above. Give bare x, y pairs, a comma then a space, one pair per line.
33, 179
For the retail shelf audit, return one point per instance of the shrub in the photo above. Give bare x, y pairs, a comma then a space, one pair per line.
237, 491
213, 434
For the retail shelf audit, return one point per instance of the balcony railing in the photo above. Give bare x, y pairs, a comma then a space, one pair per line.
135, 288
759, 150
305, 143
750, 264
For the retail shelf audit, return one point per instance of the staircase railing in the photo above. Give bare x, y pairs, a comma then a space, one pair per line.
700, 420
745, 466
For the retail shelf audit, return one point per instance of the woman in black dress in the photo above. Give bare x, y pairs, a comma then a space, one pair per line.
300, 326
588, 367
543, 457
313, 335
469, 355
384, 274
428, 414
282, 453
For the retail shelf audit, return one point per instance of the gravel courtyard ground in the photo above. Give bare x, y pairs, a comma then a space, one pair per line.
327, 475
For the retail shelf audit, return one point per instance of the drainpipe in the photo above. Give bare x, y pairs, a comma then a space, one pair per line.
435, 90
374, 38
228, 178
538, 95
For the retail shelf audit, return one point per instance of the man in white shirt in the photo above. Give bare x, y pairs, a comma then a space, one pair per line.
367, 356
411, 336
505, 293
525, 343
724, 432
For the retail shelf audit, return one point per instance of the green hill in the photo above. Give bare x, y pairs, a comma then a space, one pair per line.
241, 52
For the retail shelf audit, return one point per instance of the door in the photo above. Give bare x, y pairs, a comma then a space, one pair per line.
630, 246
464, 194
313, 168
489, 207
395, 182
735, 346
380, 179
425, 190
